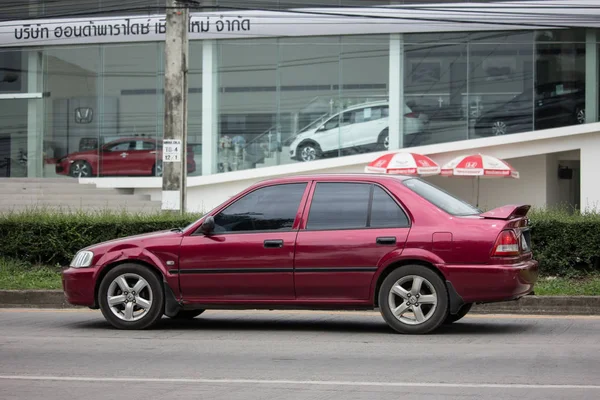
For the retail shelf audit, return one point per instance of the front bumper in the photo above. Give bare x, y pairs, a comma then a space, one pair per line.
492, 283
78, 286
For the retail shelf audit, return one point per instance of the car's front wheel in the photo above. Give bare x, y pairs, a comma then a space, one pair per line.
131, 297
309, 152
80, 169
413, 299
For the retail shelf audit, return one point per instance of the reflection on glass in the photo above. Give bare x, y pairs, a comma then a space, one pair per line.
301, 99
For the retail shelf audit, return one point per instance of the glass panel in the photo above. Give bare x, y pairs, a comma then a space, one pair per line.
501, 97
560, 79
435, 89
364, 66
339, 206
272, 208
385, 212
72, 112
130, 94
247, 103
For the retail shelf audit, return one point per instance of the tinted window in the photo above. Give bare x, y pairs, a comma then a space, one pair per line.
267, 209
123, 146
339, 206
440, 198
385, 212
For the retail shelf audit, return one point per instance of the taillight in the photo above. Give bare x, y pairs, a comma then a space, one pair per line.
412, 115
507, 245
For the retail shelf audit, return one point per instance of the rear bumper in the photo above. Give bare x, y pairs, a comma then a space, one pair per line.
492, 283
78, 286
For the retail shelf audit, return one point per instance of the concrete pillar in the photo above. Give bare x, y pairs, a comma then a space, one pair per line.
210, 106
591, 76
396, 91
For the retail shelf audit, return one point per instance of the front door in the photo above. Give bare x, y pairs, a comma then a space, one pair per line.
250, 255
114, 158
350, 228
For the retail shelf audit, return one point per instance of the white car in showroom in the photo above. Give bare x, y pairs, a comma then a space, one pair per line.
363, 126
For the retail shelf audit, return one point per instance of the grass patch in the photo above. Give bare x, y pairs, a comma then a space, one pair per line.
19, 275
556, 286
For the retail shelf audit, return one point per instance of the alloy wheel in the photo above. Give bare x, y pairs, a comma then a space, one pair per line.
129, 297
386, 142
580, 115
413, 300
81, 169
499, 128
308, 153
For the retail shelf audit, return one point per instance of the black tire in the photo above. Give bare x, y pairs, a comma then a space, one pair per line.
80, 168
309, 145
579, 115
433, 315
156, 296
464, 310
381, 140
187, 314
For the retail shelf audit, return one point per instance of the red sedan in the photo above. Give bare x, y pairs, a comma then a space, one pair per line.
400, 244
125, 157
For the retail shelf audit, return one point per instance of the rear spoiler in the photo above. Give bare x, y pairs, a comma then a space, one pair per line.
507, 212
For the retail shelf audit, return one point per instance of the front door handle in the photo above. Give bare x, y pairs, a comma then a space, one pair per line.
273, 244
386, 240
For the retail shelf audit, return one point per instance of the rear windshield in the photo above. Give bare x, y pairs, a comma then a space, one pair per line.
440, 198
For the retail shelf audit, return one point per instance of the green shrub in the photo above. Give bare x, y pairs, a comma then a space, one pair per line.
565, 244
52, 238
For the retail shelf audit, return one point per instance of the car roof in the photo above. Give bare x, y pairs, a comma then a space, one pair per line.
337, 176
369, 104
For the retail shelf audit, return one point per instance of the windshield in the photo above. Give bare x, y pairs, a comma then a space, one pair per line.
440, 198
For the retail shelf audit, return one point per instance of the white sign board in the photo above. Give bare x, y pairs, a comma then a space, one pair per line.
171, 150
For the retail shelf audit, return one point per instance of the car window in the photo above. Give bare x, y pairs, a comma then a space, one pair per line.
144, 145
440, 198
123, 146
271, 208
339, 206
385, 212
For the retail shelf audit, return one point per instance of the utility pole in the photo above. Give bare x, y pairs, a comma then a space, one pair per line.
174, 158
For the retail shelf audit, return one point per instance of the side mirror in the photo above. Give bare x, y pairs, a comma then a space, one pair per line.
208, 225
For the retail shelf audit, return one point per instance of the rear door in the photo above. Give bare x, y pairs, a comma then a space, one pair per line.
349, 227
113, 158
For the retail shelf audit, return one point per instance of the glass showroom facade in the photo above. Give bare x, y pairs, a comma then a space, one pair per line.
272, 101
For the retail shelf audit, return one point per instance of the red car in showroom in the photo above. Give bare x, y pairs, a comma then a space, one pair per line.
356, 241
125, 156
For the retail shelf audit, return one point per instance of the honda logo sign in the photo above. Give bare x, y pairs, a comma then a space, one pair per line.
84, 115
471, 164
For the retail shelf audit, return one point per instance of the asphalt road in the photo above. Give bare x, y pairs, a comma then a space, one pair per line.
249, 355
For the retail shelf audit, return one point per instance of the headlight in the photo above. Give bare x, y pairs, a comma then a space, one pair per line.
82, 259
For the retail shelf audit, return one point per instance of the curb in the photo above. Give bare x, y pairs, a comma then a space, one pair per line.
548, 305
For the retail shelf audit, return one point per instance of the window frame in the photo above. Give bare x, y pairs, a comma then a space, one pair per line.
309, 202
298, 216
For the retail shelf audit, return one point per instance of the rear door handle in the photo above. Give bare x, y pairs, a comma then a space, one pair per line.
271, 244
386, 240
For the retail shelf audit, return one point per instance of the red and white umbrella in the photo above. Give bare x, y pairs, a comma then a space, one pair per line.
404, 163
479, 165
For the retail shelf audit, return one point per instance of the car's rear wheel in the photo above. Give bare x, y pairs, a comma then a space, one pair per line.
131, 297
413, 299
464, 310
187, 314
383, 142
580, 115
157, 169
80, 168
